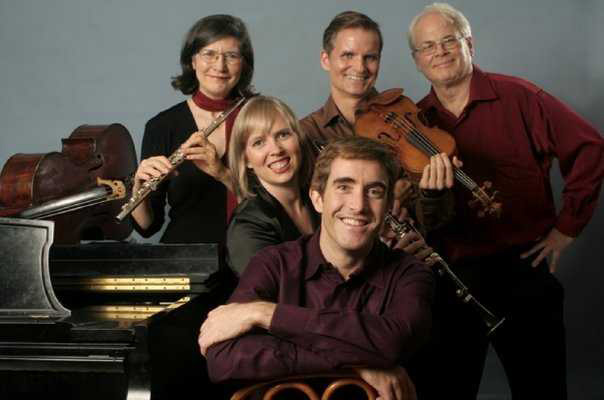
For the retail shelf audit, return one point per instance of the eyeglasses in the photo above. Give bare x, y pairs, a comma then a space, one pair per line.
212, 56
448, 43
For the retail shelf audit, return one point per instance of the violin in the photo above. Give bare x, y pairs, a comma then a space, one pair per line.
78, 188
393, 118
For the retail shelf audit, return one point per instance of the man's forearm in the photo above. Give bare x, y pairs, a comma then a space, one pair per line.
263, 312
261, 356
350, 337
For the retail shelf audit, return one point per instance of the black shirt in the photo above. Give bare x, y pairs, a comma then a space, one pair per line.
259, 222
197, 200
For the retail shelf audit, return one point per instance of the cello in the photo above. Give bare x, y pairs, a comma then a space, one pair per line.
79, 188
393, 118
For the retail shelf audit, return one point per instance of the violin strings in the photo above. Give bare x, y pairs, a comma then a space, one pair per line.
420, 141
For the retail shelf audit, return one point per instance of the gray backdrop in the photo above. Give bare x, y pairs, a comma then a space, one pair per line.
65, 63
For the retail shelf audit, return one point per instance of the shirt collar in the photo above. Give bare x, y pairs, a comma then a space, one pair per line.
481, 89
331, 112
372, 271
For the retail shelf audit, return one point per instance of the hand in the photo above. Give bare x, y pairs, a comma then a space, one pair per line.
403, 189
391, 384
388, 236
414, 244
152, 167
439, 174
551, 246
203, 154
411, 243
233, 320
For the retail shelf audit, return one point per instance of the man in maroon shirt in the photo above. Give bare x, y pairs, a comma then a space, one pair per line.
507, 131
337, 299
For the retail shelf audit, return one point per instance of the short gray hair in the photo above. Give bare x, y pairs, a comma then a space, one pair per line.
448, 12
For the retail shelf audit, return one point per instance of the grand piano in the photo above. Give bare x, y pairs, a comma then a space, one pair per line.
84, 314
100, 320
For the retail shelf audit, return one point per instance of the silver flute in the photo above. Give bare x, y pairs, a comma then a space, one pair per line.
175, 160
401, 228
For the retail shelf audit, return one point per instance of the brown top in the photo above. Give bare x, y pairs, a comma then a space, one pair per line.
327, 123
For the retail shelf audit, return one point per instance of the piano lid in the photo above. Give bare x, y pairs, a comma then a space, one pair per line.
25, 288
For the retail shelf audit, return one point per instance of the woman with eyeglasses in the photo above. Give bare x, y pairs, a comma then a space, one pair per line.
271, 162
217, 66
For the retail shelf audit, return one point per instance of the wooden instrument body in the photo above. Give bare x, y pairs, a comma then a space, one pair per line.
372, 121
394, 119
90, 152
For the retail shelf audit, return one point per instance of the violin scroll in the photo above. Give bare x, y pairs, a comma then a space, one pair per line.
484, 201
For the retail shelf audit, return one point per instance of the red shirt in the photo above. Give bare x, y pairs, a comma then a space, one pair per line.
509, 133
376, 318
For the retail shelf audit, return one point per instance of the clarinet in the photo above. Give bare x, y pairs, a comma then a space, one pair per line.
401, 228
175, 160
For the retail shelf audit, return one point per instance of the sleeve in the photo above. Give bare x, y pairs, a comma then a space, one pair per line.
349, 337
303, 340
246, 235
434, 211
154, 144
430, 209
558, 131
259, 354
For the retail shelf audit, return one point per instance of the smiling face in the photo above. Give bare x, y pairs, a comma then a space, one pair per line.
218, 77
443, 67
274, 155
352, 206
353, 63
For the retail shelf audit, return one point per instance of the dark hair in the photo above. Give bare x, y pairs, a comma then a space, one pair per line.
356, 148
345, 20
206, 31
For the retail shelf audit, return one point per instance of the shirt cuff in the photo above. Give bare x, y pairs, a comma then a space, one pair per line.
569, 226
289, 320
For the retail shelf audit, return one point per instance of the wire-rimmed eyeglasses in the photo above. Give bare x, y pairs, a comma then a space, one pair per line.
212, 56
448, 43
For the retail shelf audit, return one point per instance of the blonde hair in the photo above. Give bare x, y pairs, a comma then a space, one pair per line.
448, 12
259, 115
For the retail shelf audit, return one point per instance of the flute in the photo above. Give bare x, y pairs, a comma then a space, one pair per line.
401, 228
175, 160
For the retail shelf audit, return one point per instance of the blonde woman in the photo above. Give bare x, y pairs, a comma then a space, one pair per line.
271, 163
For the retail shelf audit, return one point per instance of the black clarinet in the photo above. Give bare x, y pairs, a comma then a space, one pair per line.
462, 291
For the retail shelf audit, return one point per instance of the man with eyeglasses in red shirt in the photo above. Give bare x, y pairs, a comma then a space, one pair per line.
507, 131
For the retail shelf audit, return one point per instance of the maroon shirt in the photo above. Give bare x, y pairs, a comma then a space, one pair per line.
376, 318
509, 133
